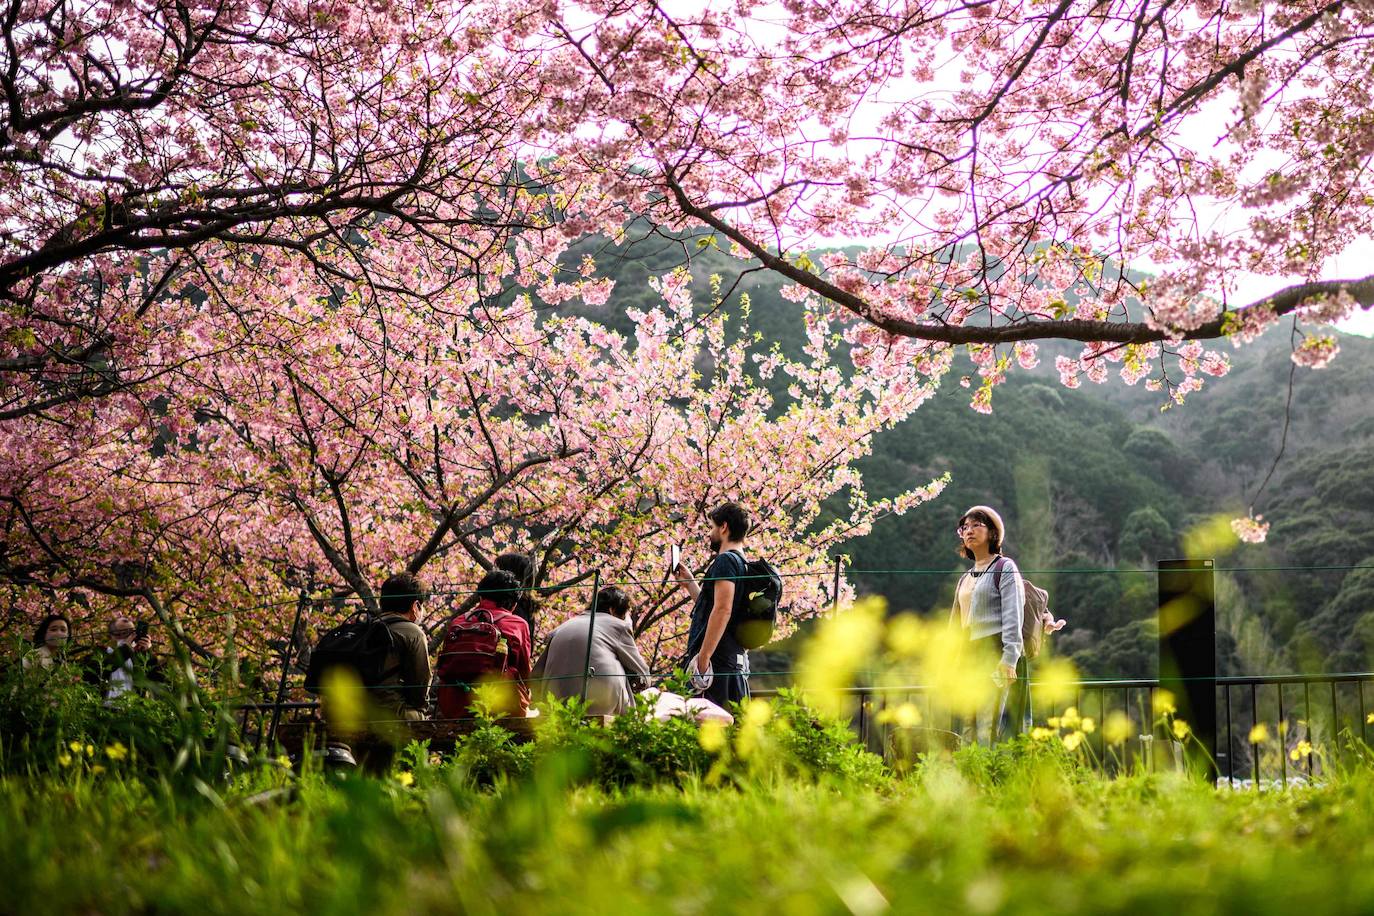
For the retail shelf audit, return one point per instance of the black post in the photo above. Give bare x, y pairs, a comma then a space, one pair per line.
591, 629
835, 601
285, 667
1188, 654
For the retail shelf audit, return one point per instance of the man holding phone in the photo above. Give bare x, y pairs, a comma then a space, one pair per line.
129, 662
718, 664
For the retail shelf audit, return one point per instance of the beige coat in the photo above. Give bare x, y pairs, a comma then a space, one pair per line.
615, 660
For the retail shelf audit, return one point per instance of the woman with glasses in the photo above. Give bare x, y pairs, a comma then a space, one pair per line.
987, 605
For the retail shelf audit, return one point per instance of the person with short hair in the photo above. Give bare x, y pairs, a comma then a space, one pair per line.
718, 664
404, 688
616, 668
50, 641
401, 696
497, 595
988, 606
128, 663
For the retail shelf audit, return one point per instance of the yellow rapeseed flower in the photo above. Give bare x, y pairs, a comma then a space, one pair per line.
1117, 728
97, 769
1259, 734
1073, 740
1054, 722
1303, 749
711, 737
90, 750
1041, 734
1181, 729
1055, 682
75, 747
906, 635
1369, 719
832, 658
904, 716
1164, 703
64, 759
116, 751
1088, 725
406, 778
1071, 719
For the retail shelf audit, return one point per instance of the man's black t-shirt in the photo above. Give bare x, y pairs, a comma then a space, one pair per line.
729, 653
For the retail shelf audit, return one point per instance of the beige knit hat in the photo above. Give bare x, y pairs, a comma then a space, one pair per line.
996, 521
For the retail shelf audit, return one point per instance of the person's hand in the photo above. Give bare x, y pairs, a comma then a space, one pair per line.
700, 665
143, 644
683, 574
1004, 675
1051, 625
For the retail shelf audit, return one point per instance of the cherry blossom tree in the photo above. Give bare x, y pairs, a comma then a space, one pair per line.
333, 450
257, 264
1011, 165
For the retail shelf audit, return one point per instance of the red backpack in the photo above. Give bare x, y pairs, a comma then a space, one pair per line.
475, 650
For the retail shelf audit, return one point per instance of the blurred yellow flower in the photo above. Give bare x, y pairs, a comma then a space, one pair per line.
1303, 749
905, 635
832, 658
90, 750
904, 716
1071, 719
343, 700
1073, 740
1181, 729
1164, 703
97, 769
1088, 725
711, 737
1369, 719
116, 751
284, 761
1053, 722
1055, 682
1117, 728
64, 759
756, 715
1259, 734
406, 778
75, 747
1041, 734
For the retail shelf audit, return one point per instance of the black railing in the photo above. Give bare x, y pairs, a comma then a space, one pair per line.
1302, 735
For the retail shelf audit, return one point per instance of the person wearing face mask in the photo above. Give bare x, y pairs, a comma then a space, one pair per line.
988, 606
50, 642
718, 664
128, 662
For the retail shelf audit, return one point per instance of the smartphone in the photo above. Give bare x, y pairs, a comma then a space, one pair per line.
674, 557
140, 629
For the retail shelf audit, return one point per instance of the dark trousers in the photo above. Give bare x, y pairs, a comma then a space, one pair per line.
728, 687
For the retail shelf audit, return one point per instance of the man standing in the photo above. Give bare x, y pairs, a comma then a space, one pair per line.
617, 668
715, 659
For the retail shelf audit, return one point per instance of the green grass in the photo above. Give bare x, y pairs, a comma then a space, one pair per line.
1047, 838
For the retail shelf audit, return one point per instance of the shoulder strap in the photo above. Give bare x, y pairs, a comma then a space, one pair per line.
997, 566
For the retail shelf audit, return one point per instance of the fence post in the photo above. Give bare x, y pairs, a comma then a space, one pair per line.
839, 568
1188, 654
591, 629
285, 668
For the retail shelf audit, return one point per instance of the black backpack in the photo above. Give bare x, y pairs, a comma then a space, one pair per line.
361, 643
757, 596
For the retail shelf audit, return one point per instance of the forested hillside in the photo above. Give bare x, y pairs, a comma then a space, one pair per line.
1097, 484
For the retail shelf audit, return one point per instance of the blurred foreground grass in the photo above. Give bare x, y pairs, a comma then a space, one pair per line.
1041, 838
